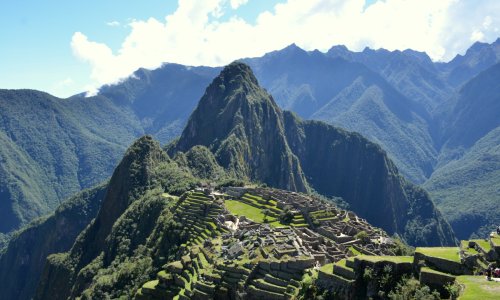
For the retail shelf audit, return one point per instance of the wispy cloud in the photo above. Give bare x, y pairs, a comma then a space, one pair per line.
196, 35
113, 23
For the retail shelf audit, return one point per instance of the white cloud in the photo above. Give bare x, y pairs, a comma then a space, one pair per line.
237, 3
113, 24
195, 34
64, 83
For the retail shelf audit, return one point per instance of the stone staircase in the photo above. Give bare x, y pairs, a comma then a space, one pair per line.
274, 281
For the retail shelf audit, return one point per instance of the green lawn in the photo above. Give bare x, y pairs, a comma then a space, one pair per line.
150, 285
255, 214
354, 251
449, 253
496, 240
341, 263
464, 245
395, 259
167, 195
429, 270
328, 268
477, 287
203, 260
483, 244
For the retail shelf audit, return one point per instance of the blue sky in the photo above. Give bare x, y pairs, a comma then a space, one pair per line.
36, 52
66, 47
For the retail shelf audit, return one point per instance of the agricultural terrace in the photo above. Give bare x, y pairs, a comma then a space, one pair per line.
448, 253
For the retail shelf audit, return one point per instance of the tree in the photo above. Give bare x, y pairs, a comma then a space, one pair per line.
266, 214
363, 237
286, 216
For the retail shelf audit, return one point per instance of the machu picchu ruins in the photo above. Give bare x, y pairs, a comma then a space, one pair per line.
241, 245
229, 253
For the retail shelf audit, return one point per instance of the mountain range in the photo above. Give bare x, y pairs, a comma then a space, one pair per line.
415, 109
250, 139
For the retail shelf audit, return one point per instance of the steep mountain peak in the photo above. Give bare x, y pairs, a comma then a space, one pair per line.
132, 176
242, 125
379, 50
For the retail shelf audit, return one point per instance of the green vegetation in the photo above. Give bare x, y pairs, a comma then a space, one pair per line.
410, 288
429, 270
496, 240
51, 234
483, 244
401, 248
354, 251
136, 233
477, 287
327, 268
239, 208
363, 237
464, 245
286, 216
466, 186
53, 148
395, 259
449, 253
138, 229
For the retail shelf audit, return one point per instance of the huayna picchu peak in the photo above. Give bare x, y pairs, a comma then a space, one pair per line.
242, 125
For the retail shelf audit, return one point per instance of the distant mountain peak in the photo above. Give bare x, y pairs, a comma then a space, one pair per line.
338, 50
291, 49
339, 47
292, 46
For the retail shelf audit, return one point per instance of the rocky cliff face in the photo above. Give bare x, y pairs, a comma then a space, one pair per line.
253, 138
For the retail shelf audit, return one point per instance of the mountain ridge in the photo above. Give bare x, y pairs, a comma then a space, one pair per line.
104, 126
